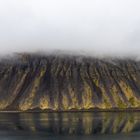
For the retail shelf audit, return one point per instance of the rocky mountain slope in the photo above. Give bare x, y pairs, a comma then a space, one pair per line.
62, 83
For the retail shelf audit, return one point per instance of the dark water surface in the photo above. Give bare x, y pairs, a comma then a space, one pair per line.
70, 126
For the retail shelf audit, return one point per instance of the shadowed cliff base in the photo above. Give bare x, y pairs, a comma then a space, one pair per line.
68, 83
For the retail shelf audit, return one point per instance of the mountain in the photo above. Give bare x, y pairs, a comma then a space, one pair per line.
68, 82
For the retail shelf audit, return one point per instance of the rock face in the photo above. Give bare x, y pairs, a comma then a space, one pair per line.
63, 83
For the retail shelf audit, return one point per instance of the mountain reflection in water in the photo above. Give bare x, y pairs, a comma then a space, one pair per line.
81, 123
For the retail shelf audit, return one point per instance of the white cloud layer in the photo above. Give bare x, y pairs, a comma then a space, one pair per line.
96, 27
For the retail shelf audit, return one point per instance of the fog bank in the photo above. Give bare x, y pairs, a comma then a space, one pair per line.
90, 27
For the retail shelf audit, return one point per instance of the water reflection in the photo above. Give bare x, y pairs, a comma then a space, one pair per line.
87, 123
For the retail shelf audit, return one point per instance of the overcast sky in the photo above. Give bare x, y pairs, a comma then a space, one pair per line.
108, 27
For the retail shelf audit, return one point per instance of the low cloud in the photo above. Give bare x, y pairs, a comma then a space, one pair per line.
96, 28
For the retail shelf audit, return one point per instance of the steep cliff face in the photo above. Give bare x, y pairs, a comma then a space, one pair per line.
68, 83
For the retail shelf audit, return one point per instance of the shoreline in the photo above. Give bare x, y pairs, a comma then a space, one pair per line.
71, 111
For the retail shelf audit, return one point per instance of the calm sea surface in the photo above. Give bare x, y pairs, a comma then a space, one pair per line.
70, 126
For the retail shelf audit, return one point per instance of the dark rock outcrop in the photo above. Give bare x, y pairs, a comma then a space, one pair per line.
65, 83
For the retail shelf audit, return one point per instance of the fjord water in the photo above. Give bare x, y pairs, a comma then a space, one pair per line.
70, 125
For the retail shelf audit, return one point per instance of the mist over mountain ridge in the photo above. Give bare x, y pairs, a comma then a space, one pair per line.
95, 28
64, 53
